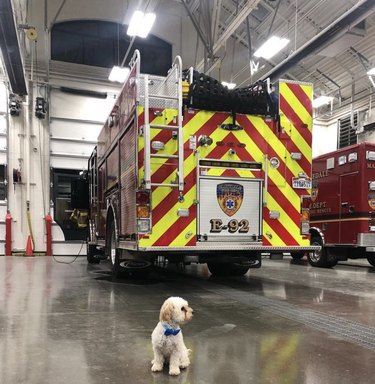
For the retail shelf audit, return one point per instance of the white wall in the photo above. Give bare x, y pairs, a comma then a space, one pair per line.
65, 140
325, 131
324, 137
3, 157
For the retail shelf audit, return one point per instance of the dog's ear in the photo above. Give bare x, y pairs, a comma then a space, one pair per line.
166, 312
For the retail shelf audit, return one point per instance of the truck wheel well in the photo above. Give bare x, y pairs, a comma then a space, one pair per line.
314, 232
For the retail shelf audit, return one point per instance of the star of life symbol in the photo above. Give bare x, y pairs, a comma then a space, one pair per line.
230, 197
230, 204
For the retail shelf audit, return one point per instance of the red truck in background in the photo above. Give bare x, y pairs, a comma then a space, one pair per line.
342, 209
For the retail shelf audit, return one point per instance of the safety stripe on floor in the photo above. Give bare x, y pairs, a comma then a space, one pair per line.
351, 331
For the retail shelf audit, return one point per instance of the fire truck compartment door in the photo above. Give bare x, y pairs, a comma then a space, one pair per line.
230, 209
349, 220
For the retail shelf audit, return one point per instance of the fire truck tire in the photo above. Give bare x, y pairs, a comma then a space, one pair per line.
298, 255
371, 259
227, 269
92, 257
136, 268
320, 258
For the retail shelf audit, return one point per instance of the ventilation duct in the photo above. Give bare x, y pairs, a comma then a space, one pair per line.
344, 42
10, 49
338, 28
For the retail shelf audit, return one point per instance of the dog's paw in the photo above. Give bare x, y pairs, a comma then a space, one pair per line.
156, 368
184, 364
174, 371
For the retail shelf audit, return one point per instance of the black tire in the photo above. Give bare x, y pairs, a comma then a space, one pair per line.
227, 269
298, 255
371, 259
135, 268
92, 257
320, 258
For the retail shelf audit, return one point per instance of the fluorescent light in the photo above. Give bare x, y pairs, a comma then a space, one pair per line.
321, 100
371, 72
141, 24
147, 24
119, 74
229, 85
272, 46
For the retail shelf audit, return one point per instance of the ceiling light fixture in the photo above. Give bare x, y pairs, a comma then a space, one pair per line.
229, 85
272, 46
119, 74
141, 24
321, 100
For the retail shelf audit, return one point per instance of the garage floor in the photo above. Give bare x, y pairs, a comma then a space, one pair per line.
284, 323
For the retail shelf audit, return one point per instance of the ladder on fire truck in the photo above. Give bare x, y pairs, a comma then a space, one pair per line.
163, 92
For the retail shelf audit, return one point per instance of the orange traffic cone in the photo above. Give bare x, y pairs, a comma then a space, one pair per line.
29, 247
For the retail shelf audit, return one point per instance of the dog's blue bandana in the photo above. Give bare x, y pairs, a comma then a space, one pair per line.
170, 331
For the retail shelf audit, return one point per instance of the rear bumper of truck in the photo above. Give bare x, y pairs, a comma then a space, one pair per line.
211, 247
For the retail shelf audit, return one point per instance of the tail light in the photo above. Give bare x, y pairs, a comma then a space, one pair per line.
305, 214
143, 209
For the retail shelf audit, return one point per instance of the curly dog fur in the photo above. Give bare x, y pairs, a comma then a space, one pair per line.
167, 340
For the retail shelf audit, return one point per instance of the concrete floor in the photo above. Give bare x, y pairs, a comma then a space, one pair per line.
284, 323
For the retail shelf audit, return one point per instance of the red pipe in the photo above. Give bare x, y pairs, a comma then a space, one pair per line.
49, 234
8, 234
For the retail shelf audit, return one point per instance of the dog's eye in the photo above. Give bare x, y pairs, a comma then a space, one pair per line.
183, 309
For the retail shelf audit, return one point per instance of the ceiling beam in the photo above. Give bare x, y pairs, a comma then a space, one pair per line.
197, 27
231, 29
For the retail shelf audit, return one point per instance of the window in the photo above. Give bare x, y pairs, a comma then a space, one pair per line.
104, 44
347, 133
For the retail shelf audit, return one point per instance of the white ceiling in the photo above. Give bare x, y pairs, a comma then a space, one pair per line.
332, 71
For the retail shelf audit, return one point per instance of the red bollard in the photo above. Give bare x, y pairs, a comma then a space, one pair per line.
8, 234
49, 234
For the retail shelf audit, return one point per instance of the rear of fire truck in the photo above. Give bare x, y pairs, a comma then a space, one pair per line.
187, 170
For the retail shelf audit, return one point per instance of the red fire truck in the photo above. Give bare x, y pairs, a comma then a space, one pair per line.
187, 170
343, 205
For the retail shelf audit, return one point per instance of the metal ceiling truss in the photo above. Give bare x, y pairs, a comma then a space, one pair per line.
364, 61
229, 30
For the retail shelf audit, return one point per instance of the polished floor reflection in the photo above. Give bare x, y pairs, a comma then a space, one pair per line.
284, 323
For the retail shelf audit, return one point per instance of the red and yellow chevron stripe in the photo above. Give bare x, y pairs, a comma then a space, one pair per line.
259, 140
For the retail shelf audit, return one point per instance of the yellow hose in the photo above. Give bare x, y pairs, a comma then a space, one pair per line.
29, 222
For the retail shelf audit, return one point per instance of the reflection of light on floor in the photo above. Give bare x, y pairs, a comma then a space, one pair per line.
29, 289
276, 291
279, 358
320, 297
227, 357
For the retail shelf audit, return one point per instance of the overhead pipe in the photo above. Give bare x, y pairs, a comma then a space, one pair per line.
348, 20
10, 49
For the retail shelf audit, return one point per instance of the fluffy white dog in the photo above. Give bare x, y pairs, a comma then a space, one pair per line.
167, 341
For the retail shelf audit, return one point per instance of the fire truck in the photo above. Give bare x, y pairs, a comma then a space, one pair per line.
189, 171
342, 209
